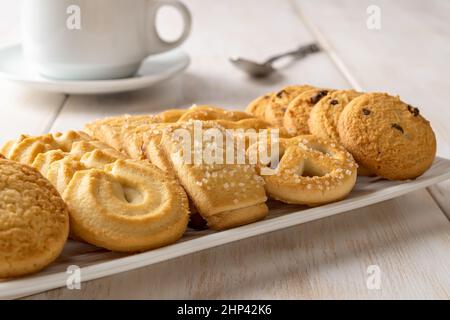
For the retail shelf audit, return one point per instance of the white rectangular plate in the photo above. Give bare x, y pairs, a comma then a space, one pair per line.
96, 263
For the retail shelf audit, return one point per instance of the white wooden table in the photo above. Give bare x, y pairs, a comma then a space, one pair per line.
408, 237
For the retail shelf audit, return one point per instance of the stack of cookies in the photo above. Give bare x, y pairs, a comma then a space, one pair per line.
386, 136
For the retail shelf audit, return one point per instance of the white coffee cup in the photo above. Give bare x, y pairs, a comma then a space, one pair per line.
94, 39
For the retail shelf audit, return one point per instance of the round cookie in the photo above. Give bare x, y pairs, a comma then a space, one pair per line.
279, 102
258, 106
34, 220
295, 119
387, 136
324, 116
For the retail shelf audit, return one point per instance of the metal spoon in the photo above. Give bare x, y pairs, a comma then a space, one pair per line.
260, 70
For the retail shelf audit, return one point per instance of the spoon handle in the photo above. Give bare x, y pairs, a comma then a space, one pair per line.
301, 52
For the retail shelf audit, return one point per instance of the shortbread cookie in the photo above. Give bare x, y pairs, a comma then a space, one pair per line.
170, 116
279, 102
258, 106
112, 130
133, 134
226, 195
295, 119
7, 146
129, 206
324, 116
43, 161
387, 136
26, 150
206, 113
34, 220
67, 139
114, 202
311, 171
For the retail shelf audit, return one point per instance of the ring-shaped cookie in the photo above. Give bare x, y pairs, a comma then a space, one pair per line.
137, 207
311, 172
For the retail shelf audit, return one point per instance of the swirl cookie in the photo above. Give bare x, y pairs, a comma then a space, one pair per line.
114, 203
310, 171
324, 116
26, 150
295, 119
34, 220
129, 206
387, 136
274, 112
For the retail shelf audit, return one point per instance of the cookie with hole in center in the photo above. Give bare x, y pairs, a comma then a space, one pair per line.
279, 102
295, 119
387, 136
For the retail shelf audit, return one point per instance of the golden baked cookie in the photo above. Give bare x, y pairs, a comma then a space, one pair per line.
225, 194
129, 206
61, 172
387, 136
258, 106
121, 198
26, 150
34, 221
67, 139
112, 130
43, 161
205, 113
169, 116
296, 117
310, 171
324, 116
279, 102
6, 148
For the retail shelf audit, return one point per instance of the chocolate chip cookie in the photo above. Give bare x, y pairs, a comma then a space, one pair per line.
297, 114
324, 116
258, 106
387, 136
279, 102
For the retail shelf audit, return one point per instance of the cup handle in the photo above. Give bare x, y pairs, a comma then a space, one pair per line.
161, 45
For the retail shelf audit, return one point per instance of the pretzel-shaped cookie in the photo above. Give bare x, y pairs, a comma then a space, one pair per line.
311, 171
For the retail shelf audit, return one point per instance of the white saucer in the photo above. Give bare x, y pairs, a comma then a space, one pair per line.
153, 70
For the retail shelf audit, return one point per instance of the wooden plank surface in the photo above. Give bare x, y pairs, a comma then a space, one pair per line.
408, 238
407, 56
